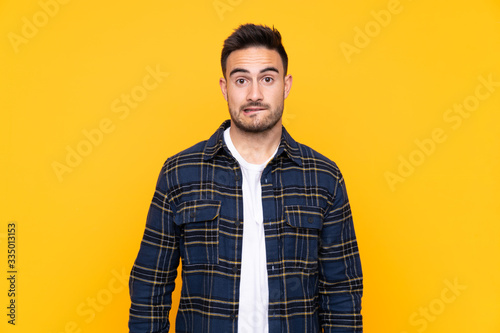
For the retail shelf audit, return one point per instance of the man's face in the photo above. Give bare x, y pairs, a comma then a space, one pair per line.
255, 89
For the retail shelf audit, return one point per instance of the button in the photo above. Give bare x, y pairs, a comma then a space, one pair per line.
237, 177
235, 269
233, 315
265, 180
192, 214
310, 220
237, 223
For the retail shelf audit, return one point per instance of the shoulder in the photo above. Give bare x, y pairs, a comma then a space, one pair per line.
192, 155
320, 170
312, 159
183, 167
200, 152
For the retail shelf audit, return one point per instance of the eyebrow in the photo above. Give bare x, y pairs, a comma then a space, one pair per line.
242, 70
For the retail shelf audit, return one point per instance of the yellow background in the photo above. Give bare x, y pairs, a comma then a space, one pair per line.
79, 230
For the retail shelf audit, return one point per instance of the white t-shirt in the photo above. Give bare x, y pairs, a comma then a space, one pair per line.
254, 288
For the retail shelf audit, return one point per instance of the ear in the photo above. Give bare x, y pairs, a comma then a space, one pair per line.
288, 85
223, 87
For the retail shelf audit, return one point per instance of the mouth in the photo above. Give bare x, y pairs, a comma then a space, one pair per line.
253, 109
250, 109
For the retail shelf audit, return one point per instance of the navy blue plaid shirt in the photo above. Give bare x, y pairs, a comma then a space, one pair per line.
313, 264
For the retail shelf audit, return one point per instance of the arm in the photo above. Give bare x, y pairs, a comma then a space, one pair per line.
340, 275
154, 271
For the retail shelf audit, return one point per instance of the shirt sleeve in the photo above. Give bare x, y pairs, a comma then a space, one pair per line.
340, 275
152, 279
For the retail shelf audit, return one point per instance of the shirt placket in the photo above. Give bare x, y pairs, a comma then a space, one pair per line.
272, 207
235, 290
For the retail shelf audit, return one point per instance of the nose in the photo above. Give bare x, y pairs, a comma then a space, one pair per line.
255, 93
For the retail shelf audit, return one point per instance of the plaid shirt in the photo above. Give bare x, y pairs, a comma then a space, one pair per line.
313, 264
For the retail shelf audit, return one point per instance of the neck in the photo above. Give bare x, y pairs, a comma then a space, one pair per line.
256, 148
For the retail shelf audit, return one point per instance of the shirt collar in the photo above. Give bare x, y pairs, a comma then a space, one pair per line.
216, 143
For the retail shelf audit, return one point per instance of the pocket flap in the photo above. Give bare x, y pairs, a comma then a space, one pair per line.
197, 211
304, 216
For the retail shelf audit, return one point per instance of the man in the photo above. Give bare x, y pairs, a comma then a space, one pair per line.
262, 223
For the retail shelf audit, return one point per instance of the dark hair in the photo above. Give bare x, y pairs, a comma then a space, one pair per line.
248, 35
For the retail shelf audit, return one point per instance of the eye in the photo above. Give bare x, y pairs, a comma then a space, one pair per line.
240, 81
268, 79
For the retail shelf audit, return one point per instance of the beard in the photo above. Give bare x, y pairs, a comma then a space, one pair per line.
257, 123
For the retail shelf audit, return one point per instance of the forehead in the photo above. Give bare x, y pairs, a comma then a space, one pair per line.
254, 59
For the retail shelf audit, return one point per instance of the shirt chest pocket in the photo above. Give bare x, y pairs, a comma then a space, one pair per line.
303, 225
199, 222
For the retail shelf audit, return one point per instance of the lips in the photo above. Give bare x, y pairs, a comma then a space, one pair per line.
252, 109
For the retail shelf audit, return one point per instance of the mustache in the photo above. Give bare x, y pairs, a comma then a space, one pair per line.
254, 104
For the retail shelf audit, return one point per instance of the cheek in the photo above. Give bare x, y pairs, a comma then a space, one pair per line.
277, 96
276, 91
234, 97
232, 103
